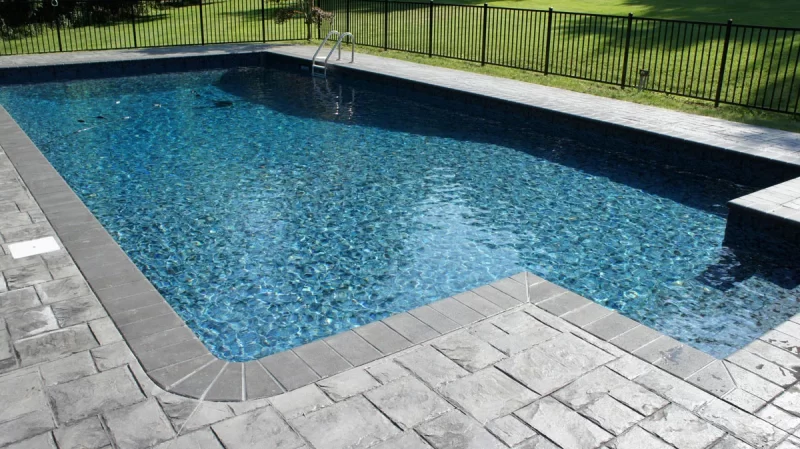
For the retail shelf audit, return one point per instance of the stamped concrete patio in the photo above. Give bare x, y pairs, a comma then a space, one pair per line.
521, 363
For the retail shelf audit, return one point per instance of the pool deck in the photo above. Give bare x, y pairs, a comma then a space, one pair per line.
91, 356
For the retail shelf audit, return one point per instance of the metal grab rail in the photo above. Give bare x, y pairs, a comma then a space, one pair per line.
319, 65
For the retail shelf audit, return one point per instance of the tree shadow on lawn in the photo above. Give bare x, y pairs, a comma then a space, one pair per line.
780, 13
254, 15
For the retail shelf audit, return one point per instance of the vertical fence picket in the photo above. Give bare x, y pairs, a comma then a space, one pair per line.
263, 21
483, 38
202, 31
722, 64
385, 25
627, 51
430, 30
58, 32
549, 39
133, 29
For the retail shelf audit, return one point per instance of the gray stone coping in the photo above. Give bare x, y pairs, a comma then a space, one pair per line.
781, 201
90, 57
175, 360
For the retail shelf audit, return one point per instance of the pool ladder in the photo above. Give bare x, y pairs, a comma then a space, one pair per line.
319, 64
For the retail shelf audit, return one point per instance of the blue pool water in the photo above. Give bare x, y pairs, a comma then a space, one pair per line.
270, 209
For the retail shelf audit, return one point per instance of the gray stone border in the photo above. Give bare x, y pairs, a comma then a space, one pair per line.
771, 216
178, 362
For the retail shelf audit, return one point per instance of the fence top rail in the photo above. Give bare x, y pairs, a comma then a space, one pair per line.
421, 4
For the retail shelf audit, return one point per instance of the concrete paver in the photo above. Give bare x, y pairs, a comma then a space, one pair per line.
488, 394
354, 423
408, 402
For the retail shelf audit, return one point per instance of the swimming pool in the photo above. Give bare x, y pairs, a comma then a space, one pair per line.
271, 209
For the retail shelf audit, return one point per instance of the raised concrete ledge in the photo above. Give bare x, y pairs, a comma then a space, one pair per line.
767, 220
781, 201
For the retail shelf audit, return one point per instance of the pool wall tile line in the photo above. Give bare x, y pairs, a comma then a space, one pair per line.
27, 70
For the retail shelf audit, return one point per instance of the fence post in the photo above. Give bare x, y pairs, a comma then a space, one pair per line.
385, 25
263, 22
483, 40
627, 50
547, 45
202, 32
347, 16
430, 31
133, 27
319, 22
724, 60
58, 32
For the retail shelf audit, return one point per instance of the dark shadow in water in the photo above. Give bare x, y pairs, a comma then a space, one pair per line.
367, 104
737, 265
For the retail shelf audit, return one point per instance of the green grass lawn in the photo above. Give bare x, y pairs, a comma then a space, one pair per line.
778, 13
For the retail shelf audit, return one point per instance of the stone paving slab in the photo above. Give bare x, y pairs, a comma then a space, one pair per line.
449, 375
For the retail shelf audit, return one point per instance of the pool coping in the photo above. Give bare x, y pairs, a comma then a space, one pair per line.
177, 361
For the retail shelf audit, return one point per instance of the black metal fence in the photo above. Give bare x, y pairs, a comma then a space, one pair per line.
752, 66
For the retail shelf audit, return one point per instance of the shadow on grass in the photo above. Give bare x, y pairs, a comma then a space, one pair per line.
252, 15
772, 12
